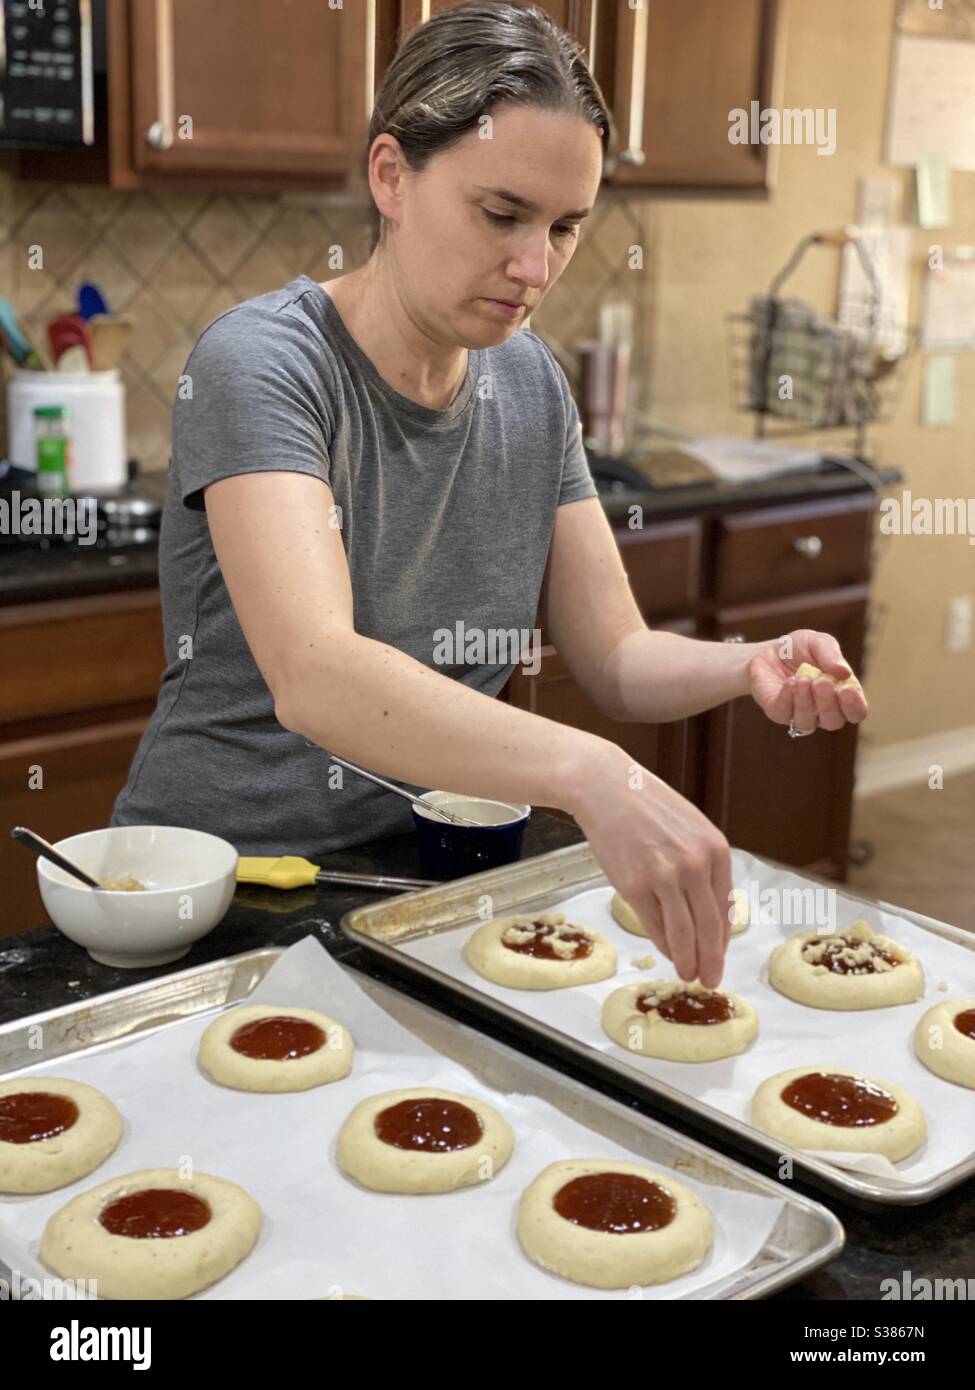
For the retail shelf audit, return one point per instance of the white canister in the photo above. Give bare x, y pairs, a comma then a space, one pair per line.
97, 401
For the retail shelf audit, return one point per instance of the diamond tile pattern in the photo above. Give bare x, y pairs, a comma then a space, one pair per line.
175, 260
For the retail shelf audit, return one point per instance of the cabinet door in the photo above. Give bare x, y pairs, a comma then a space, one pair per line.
280, 88
676, 69
787, 798
83, 771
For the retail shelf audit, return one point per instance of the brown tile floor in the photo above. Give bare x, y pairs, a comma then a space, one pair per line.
924, 849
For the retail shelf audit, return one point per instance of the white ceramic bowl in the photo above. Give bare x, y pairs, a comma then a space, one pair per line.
189, 876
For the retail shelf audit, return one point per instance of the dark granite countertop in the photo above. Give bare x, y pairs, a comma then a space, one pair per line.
41, 970
69, 571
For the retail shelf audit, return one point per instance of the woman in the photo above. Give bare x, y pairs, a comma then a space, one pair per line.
359, 466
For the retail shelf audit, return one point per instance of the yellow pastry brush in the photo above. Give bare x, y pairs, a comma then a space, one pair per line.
291, 871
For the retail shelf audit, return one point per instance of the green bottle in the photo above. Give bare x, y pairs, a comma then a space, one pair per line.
53, 439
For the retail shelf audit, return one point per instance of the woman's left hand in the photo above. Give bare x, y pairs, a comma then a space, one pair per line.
807, 704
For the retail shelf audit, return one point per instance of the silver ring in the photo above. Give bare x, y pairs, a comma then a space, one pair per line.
799, 733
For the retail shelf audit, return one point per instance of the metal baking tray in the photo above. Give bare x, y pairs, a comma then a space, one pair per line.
549, 879
805, 1236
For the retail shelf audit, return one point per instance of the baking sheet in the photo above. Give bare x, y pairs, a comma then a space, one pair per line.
876, 1042
321, 1231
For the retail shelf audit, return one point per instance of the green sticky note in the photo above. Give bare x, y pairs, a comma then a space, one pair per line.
933, 192
939, 391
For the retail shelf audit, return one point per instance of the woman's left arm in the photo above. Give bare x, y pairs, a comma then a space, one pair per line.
635, 674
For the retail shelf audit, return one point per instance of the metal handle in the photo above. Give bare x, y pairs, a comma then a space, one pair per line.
634, 152
160, 133
810, 547
734, 637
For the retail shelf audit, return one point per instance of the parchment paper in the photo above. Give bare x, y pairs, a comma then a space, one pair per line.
876, 1042
322, 1232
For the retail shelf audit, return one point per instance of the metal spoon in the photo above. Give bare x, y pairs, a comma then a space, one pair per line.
46, 851
454, 817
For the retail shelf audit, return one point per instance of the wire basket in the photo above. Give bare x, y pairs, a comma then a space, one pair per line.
792, 365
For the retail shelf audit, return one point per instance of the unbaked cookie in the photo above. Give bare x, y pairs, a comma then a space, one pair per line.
540, 951
423, 1140
852, 969
612, 1224
153, 1234
679, 1021
831, 1108
627, 918
53, 1132
944, 1040
262, 1048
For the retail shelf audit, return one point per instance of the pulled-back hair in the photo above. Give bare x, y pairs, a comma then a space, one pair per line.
452, 70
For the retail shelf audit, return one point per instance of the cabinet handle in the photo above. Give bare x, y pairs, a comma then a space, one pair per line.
371, 53
634, 153
810, 547
734, 637
160, 133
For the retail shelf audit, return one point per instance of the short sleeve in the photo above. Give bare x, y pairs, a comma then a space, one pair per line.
251, 399
577, 481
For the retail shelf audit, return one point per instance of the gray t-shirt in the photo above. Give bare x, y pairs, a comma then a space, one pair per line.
446, 519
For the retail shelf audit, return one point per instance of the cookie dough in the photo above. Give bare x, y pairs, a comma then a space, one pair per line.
153, 1234
852, 969
259, 1047
53, 1132
627, 918
944, 1040
813, 673
612, 1224
423, 1140
540, 951
679, 1021
831, 1108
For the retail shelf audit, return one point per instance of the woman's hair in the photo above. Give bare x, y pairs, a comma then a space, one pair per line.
452, 70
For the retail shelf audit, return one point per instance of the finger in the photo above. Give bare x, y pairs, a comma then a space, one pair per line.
853, 703
679, 928
651, 920
826, 654
722, 886
804, 711
828, 708
709, 923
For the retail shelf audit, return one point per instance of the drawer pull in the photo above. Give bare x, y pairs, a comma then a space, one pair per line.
810, 547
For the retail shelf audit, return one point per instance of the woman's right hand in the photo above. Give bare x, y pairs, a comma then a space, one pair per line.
670, 863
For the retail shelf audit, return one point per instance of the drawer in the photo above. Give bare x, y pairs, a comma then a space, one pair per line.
70, 655
774, 551
663, 564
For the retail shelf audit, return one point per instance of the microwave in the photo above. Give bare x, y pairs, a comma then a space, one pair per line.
50, 51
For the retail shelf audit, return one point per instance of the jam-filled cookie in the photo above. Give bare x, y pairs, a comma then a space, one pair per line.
852, 969
53, 1132
153, 1234
944, 1040
262, 1048
423, 1140
831, 1108
625, 915
612, 1224
540, 951
678, 1021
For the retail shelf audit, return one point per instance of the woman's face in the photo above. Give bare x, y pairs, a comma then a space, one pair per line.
493, 218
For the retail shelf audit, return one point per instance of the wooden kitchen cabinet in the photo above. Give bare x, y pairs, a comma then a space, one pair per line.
80, 682
672, 71
396, 18
278, 91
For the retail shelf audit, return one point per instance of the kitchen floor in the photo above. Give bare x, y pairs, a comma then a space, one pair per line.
924, 849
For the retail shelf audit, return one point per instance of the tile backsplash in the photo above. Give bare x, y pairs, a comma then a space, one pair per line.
175, 260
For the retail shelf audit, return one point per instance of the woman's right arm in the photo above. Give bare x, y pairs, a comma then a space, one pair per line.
282, 559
